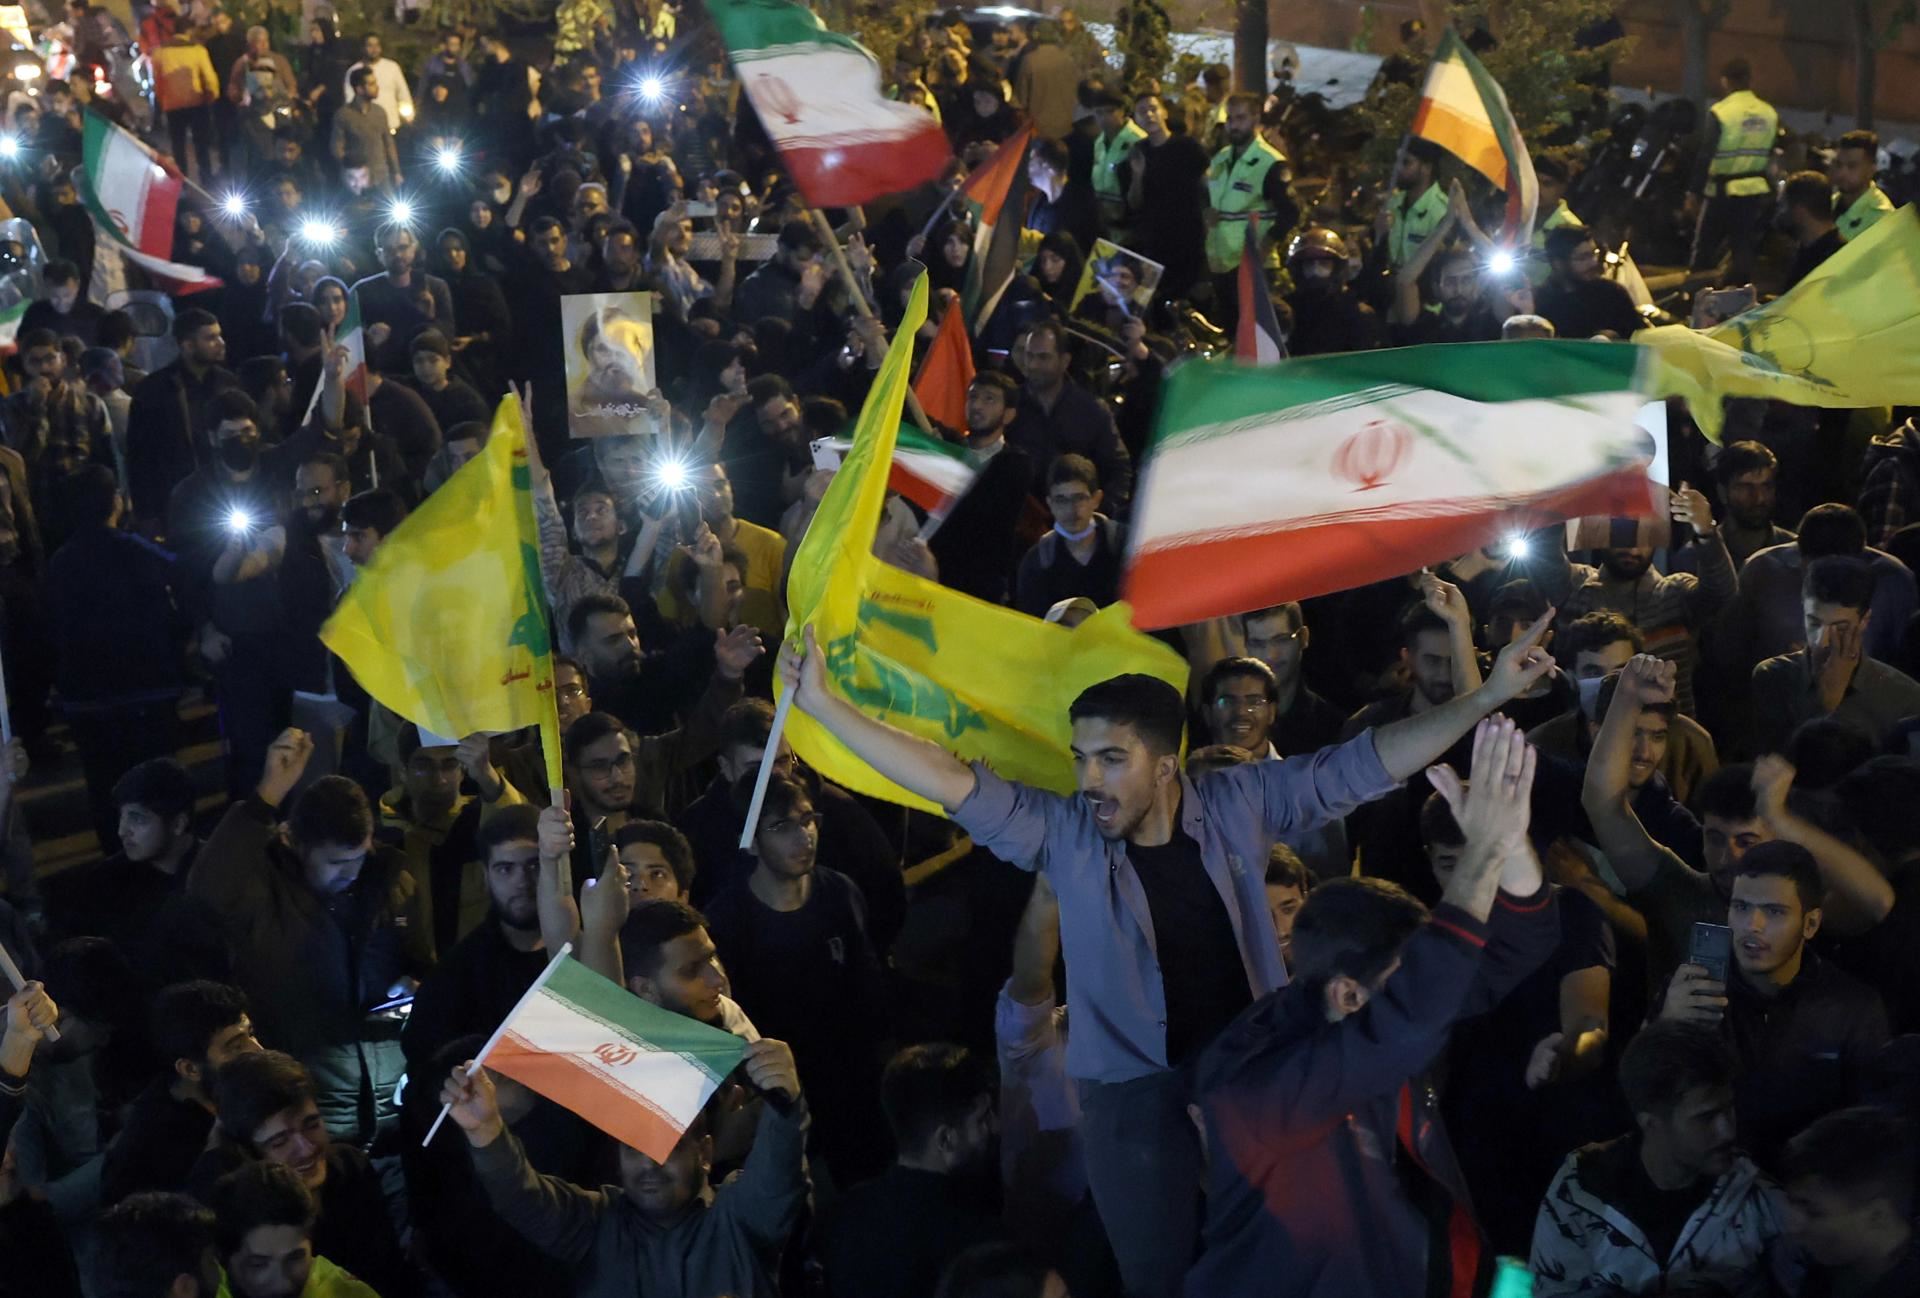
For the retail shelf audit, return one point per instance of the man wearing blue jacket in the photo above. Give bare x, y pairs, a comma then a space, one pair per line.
1331, 1175
1163, 908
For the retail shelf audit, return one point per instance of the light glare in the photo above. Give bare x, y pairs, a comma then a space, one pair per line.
1517, 546
239, 521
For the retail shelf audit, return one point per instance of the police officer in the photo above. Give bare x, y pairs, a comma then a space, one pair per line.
1857, 201
1733, 175
1118, 135
1404, 223
1247, 178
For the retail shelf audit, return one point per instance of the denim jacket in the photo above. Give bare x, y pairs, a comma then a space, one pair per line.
1113, 973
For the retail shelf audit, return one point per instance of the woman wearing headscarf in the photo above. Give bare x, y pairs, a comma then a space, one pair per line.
482, 325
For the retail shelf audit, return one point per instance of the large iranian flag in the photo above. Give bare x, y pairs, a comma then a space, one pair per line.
638, 1072
1265, 484
127, 187
1464, 111
818, 96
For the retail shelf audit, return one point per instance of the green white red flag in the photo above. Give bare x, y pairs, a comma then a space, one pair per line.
638, 1072
133, 195
1265, 484
1464, 111
818, 96
352, 335
985, 195
931, 473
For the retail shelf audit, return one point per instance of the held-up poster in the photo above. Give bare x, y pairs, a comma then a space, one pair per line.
610, 364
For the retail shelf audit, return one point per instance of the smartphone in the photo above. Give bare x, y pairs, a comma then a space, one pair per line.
1711, 947
1721, 304
398, 1005
696, 210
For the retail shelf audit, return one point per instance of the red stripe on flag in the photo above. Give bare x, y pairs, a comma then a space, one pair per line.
846, 176
1216, 578
155, 235
915, 488
621, 1112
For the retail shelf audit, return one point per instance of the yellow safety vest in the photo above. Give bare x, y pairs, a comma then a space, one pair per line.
1748, 125
1237, 187
1860, 214
1109, 185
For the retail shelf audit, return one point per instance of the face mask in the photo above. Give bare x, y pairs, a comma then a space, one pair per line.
239, 454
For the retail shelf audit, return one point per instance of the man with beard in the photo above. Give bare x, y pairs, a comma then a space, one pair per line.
1671, 609
663, 1230
1166, 938
977, 546
1616, 1214
387, 309
198, 1028
607, 644
896, 1233
483, 975
1056, 416
170, 414
1452, 284
1303, 722
1576, 297
1328, 316
1248, 179
1747, 478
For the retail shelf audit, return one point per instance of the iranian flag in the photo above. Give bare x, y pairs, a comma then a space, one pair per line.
931, 473
1280, 482
128, 187
1464, 111
638, 1072
351, 335
985, 194
817, 94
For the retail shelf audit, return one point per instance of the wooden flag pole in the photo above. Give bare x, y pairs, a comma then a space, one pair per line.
499, 1032
19, 981
866, 312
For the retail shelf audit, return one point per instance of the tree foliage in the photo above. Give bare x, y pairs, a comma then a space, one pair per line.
1535, 58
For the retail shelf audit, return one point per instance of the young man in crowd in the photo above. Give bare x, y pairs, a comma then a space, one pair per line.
1849, 1180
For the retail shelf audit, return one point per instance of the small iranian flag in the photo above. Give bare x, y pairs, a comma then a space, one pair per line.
931, 473
350, 335
996, 224
638, 1072
1280, 482
817, 94
1464, 111
128, 188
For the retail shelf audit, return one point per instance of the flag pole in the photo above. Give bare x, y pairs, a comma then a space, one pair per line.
860, 305
501, 1031
767, 759
19, 981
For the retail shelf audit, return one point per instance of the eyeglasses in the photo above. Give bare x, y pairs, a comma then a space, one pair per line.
1242, 702
571, 692
608, 765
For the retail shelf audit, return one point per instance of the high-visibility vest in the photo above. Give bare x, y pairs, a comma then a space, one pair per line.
1237, 187
1109, 161
1748, 125
1859, 215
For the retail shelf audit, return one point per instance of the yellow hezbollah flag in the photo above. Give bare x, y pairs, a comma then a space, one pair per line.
1847, 336
447, 625
983, 682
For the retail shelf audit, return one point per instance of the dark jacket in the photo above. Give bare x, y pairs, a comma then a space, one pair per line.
158, 1145
1049, 573
116, 631
893, 1236
164, 424
976, 547
1081, 424
1305, 1119
477, 982
312, 966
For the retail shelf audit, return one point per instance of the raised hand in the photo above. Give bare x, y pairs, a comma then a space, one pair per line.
803, 670
1444, 599
1647, 680
475, 754
1694, 996
735, 650
555, 834
769, 1066
287, 759
1521, 664
1772, 780
475, 1108
1494, 809
604, 901
1691, 506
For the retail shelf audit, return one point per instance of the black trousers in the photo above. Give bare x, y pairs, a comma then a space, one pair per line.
1736, 221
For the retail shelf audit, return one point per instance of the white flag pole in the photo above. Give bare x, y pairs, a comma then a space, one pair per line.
767, 759
18, 980
494, 1040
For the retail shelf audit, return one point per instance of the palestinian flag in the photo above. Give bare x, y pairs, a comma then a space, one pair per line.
638, 1072
353, 336
1280, 482
1464, 111
931, 473
1256, 338
128, 188
817, 94
946, 373
985, 195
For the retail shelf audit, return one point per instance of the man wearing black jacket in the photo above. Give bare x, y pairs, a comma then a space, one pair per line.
1331, 1170
977, 544
170, 407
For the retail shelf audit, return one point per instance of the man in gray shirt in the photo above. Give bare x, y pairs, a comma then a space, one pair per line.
361, 137
1832, 676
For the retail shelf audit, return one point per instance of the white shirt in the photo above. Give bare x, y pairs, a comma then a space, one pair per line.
395, 100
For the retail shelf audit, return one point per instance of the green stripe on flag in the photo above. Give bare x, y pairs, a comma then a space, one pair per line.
644, 1024
1207, 399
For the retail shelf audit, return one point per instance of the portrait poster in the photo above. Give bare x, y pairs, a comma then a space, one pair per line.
610, 363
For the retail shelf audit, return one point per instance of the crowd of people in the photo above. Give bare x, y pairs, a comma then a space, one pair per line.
1535, 910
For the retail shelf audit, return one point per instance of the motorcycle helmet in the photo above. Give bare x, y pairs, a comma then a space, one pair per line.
1318, 243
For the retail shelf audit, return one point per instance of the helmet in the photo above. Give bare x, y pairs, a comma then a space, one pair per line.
1317, 241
